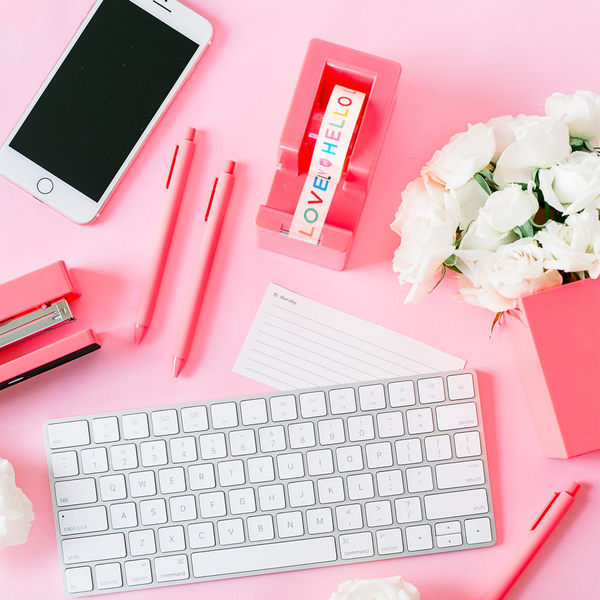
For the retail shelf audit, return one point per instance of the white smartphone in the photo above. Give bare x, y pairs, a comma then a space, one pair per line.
101, 100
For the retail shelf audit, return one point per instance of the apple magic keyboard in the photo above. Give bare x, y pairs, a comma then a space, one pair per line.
262, 484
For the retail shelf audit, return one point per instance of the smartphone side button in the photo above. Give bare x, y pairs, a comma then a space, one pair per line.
45, 185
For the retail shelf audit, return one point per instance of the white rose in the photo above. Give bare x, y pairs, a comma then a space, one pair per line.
462, 204
508, 208
539, 142
581, 113
427, 239
391, 588
573, 246
514, 271
464, 155
16, 511
573, 184
504, 136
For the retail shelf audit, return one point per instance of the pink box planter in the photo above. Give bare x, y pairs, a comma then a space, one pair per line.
555, 336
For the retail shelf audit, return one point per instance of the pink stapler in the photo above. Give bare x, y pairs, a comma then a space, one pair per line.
33, 304
325, 67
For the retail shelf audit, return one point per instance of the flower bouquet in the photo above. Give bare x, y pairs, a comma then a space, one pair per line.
511, 206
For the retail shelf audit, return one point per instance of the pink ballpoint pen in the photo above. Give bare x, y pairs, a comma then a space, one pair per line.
217, 206
540, 531
180, 167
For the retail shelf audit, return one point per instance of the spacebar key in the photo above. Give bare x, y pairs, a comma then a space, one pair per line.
266, 557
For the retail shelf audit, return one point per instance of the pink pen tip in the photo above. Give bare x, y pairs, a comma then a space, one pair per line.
573, 488
139, 333
178, 364
229, 167
190, 134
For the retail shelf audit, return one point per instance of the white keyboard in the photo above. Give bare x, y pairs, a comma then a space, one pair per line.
261, 484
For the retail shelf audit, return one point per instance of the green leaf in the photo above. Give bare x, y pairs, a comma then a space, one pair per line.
450, 261
589, 146
481, 180
576, 143
497, 321
526, 230
440, 279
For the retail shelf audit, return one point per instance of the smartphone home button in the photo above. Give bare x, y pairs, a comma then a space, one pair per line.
45, 185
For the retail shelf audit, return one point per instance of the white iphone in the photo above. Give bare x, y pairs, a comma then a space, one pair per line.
101, 101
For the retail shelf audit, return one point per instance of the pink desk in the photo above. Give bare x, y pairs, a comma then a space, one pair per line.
462, 63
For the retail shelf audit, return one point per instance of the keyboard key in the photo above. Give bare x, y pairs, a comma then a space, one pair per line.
231, 472
460, 387
272, 439
360, 428
312, 404
349, 458
108, 576
379, 455
449, 541
65, 435
478, 531
290, 524
342, 401
224, 415
371, 397
389, 541
194, 418
94, 460
456, 504
153, 512
301, 493
123, 457
331, 490
201, 535
64, 464
290, 466
271, 497
135, 426
82, 520
260, 469
105, 429
172, 480
231, 531
408, 510
389, 483
171, 539
431, 390
213, 446
452, 475
93, 548
390, 424
241, 501
269, 556
183, 508
138, 572
319, 520
379, 513
260, 528
408, 451
467, 444
360, 486
402, 393
320, 462
419, 420
418, 538
142, 483
302, 435
283, 408
356, 545
123, 516
153, 453
457, 416
171, 568
331, 431
164, 422
183, 450
78, 491
79, 580
449, 527
254, 412
142, 542
419, 479
201, 477
349, 517
437, 447
112, 487
242, 442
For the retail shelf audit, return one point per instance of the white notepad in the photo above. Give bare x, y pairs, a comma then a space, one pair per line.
297, 343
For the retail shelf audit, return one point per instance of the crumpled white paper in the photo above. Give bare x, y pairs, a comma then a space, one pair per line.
16, 510
390, 588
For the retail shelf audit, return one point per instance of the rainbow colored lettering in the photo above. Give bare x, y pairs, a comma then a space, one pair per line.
327, 164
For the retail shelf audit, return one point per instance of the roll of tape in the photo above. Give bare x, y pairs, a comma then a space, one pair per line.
327, 164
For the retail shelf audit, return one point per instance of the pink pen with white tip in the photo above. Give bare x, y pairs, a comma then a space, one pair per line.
217, 207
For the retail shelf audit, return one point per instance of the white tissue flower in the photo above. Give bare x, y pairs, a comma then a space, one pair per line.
391, 588
581, 113
16, 510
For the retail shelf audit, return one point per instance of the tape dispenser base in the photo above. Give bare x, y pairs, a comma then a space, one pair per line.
327, 65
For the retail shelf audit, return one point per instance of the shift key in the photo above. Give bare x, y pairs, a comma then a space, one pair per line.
92, 548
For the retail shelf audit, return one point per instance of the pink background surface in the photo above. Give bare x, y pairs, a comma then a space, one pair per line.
462, 62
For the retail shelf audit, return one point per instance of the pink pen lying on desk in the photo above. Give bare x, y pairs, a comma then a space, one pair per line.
540, 531
180, 168
215, 214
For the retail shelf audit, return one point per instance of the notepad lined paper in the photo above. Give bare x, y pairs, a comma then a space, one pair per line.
297, 343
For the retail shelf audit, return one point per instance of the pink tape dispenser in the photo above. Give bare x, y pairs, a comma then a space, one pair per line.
326, 66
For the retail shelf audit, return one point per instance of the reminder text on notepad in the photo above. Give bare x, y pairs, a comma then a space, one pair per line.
298, 343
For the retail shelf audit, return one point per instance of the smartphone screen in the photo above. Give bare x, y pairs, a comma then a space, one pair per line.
103, 96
